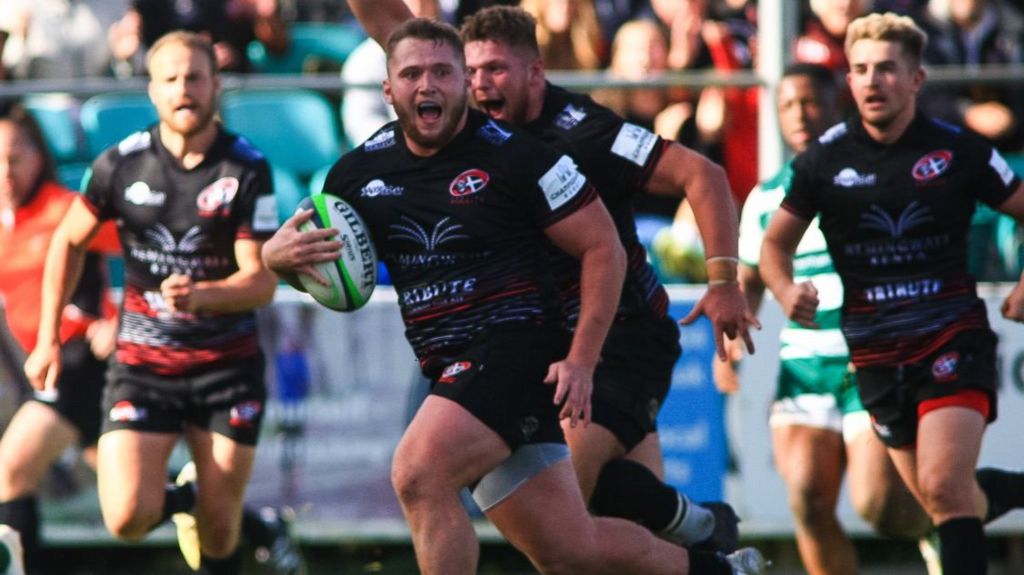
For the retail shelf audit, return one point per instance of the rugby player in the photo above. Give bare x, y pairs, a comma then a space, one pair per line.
894, 192
193, 204
820, 429
482, 199
618, 461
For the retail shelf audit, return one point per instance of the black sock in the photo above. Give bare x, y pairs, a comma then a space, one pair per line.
22, 515
255, 530
628, 490
177, 499
708, 563
962, 547
1004, 490
230, 565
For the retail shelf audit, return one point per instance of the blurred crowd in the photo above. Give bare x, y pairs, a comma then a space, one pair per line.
631, 39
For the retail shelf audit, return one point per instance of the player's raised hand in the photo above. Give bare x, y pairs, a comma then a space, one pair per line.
292, 251
799, 302
726, 307
573, 386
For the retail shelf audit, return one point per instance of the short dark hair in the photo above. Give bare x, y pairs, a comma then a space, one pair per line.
427, 29
509, 25
823, 79
19, 115
191, 40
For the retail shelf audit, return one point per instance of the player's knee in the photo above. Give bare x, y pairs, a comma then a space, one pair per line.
944, 494
15, 480
570, 560
892, 513
411, 481
127, 523
219, 537
810, 505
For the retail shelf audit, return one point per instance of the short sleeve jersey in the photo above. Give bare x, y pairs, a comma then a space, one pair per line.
176, 220
23, 247
461, 232
896, 218
810, 263
618, 158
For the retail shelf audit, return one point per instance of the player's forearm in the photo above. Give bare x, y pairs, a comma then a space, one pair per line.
380, 17
61, 273
602, 275
752, 286
714, 210
241, 291
776, 267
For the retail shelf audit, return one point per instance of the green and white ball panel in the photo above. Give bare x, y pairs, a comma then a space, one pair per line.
352, 277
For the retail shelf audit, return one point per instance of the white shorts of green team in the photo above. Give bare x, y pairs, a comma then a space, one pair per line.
11, 556
821, 412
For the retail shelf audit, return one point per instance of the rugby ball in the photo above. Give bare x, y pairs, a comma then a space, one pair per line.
354, 275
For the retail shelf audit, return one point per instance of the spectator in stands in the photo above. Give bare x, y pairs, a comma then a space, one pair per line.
975, 33
363, 110
822, 39
56, 38
568, 33
230, 25
612, 14
639, 51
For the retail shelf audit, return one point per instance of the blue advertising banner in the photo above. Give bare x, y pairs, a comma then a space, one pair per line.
691, 423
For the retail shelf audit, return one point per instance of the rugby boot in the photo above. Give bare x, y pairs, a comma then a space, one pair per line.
747, 561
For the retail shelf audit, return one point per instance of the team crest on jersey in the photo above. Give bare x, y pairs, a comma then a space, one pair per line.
932, 165
217, 197
125, 411
382, 140
452, 371
468, 183
944, 368
245, 414
140, 194
493, 133
570, 117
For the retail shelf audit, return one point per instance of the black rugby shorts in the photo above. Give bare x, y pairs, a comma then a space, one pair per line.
79, 390
892, 394
634, 377
229, 400
500, 380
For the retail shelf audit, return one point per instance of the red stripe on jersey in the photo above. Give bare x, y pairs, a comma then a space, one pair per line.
902, 350
178, 361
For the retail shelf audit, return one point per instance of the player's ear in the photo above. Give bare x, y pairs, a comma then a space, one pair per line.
387, 92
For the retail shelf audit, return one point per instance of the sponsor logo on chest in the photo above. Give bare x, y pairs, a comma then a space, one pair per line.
140, 194
851, 178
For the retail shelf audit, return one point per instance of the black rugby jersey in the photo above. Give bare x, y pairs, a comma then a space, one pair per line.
896, 219
173, 220
461, 232
618, 158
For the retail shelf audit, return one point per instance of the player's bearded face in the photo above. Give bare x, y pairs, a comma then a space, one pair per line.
500, 79
884, 82
427, 86
183, 88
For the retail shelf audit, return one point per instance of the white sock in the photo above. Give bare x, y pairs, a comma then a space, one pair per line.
692, 523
